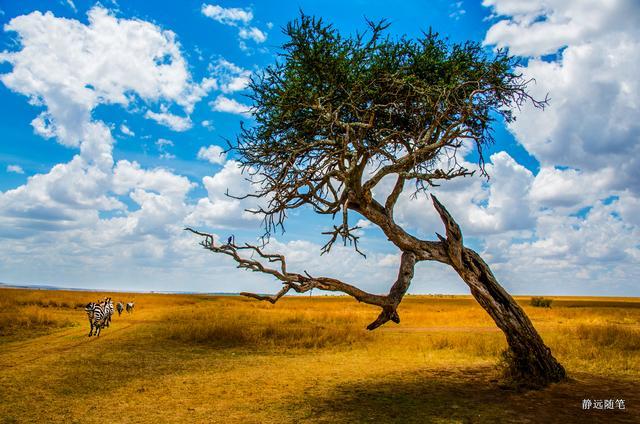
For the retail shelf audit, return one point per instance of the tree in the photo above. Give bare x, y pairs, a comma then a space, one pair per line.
335, 116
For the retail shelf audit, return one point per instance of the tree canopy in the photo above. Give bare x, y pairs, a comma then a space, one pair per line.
336, 114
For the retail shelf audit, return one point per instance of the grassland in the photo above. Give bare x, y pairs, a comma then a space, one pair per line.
188, 358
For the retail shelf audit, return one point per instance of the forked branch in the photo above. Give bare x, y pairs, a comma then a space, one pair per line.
302, 283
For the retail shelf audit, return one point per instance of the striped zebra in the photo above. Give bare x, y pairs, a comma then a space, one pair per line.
120, 308
130, 306
109, 307
98, 314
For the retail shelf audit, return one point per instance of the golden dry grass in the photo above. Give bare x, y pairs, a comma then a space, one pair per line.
188, 358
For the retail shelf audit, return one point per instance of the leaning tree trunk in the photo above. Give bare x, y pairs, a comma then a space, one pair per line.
529, 360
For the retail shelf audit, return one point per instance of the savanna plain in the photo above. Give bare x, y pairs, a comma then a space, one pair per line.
199, 358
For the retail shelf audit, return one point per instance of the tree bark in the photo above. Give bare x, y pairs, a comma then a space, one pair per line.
529, 361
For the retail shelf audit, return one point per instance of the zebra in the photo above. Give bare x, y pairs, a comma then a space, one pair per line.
109, 308
120, 308
97, 314
130, 306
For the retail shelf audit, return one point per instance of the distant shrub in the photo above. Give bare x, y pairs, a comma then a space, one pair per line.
541, 302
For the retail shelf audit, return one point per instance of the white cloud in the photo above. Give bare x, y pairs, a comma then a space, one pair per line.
72, 5
230, 77
126, 131
114, 219
221, 211
363, 223
162, 142
71, 67
539, 27
176, 123
44, 126
229, 16
225, 104
587, 142
597, 253
214, 154
591, 123
128, 174
480, 207
16, 169
569, 188
457, 11
235, 17
162, 145
252, 33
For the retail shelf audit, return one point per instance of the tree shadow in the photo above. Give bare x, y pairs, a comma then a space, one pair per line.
466, 395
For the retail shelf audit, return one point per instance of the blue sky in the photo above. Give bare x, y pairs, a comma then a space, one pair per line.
114, 115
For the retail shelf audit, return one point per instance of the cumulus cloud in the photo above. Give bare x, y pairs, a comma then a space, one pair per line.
596, 253
587, 140
222, 211
213, 154
252, 33
590, 125
118, 219
540, 27
115, 218
480, 206
69, 68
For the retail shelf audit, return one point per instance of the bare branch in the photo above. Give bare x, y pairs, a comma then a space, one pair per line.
303, 283
397, 292
453, 241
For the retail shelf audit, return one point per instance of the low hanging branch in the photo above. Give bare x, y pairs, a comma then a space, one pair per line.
304, 283
336, 116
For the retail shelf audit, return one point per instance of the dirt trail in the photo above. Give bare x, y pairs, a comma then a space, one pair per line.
32, 350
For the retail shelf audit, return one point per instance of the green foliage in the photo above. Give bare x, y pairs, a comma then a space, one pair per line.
332, 105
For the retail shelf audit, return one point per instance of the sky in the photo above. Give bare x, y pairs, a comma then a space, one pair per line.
115, 117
